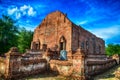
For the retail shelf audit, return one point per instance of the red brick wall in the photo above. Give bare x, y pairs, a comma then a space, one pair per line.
57, 24
52, 28
80, 35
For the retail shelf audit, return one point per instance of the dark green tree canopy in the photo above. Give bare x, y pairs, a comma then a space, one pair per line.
12, 36
24, 39
112, 49
8, 33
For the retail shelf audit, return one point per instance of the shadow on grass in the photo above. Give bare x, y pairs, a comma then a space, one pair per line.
108, 75
44, 76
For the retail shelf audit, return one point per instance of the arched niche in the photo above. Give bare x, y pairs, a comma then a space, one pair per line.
62, 43
36, 45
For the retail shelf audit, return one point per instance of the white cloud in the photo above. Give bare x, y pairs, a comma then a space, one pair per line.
28, 26
21, 11
22, 8
107, 33
18, 15
82, 22
27, 10
12, 11
24, 12
31, 12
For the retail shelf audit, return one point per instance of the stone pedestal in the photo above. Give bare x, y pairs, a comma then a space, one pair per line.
11, 56
78, 64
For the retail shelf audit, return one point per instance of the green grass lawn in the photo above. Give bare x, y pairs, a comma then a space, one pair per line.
45, 76
109, 75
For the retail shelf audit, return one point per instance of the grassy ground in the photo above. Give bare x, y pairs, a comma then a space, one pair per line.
109, 75
44, 77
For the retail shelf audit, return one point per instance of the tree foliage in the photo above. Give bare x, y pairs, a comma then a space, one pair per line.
8, 33
112, 49
24, 39
11, 35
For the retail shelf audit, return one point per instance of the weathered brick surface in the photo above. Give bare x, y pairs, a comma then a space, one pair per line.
87, 41
64, 68
52, 28
56, 25
85, 52
16, 65
83, 47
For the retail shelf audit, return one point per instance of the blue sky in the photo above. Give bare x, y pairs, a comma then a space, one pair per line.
101, 17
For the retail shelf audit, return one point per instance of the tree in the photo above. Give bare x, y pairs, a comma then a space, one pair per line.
112, 49
8, 33
24, 39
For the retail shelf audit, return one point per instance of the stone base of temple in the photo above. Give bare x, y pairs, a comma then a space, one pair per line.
78, 65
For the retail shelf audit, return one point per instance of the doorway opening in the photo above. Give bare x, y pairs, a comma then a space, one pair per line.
62, 43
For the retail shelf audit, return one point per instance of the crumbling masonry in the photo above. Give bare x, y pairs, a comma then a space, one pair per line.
85, 52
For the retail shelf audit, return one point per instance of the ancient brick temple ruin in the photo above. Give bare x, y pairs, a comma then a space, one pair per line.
85, 52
